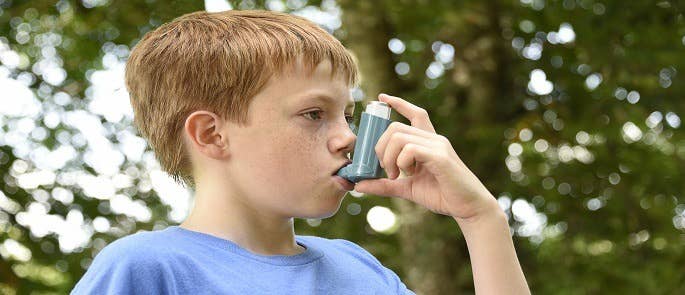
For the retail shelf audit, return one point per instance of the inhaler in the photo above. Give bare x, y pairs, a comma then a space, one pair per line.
365, 164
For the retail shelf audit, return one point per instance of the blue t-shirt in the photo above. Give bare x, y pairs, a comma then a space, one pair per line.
180, 261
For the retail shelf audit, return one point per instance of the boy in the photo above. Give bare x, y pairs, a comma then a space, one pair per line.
251, 109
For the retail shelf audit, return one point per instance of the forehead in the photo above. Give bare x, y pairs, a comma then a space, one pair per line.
301, 86
325, 98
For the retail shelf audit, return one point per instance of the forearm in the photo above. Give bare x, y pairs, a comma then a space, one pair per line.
496, 269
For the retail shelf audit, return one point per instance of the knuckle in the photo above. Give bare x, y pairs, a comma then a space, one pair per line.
377, 148
387, 163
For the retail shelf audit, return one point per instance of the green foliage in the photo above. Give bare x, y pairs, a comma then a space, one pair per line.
589, 158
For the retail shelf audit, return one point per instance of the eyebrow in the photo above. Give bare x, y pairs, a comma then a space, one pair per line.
327, 99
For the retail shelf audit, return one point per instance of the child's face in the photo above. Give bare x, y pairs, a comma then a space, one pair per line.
284, 161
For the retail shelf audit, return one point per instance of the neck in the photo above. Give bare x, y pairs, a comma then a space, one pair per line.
255, 231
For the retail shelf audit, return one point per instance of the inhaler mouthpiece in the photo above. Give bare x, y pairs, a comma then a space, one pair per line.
365, 164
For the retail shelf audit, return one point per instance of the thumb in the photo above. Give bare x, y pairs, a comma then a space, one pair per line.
382, 187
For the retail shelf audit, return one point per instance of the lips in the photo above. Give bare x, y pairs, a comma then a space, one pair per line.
344, 183
343, 165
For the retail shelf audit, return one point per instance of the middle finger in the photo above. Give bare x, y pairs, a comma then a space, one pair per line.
394, 147
398, 127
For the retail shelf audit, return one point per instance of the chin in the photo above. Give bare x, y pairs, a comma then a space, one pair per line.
321, 213
323, 210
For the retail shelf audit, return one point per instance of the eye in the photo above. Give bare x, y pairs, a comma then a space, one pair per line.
350, 119
350, 122
314, 112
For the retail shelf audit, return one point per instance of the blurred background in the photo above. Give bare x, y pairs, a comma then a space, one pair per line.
568, 110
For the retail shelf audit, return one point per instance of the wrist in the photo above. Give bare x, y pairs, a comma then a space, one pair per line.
494, 263
490, 215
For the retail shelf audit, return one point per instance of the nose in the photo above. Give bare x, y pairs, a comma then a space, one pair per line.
344, 139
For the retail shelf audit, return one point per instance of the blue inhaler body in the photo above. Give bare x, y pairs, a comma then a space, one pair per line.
365, 164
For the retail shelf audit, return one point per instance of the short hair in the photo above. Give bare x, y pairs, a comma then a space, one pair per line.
218, 62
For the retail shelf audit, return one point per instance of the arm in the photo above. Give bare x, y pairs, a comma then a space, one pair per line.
438, 180
496, 268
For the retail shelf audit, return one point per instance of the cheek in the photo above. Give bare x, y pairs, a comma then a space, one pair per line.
299, 154
291, 150
306, 158
290, 156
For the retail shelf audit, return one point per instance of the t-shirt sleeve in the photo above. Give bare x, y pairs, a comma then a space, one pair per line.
122, 268
390, 275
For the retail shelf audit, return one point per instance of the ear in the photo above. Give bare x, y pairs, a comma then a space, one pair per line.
202, 129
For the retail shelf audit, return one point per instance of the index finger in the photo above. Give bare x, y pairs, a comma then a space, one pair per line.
416, 115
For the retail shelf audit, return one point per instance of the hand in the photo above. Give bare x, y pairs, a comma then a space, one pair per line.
436, 178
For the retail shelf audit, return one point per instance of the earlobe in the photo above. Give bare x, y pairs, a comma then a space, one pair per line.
203, 131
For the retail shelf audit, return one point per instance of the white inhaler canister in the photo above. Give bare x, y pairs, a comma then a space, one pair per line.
365, 164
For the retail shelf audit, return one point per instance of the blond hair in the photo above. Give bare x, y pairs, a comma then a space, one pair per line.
217, 62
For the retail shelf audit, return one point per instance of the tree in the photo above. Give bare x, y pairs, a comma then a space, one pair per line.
568, 111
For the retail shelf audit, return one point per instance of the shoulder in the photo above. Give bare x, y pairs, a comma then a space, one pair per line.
355, 257
141, 247
137, 261
348, 253
325, 242
145, 249
341, 246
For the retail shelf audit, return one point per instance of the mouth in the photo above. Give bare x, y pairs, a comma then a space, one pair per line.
343, 165
344, 183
